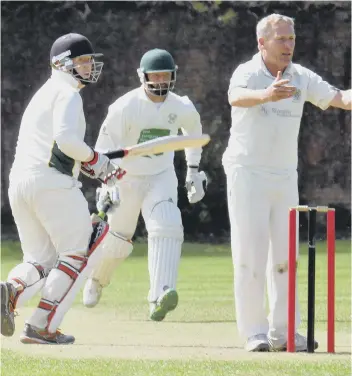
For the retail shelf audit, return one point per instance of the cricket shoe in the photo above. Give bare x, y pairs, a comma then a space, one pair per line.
33, 335
300, 344
92, 293
257, 343
166, 302
8, 293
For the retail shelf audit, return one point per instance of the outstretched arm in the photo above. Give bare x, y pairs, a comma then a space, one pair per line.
241, 96
323, 95
342, 99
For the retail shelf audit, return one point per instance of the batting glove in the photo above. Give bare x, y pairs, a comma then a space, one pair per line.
196, 184
101, 168
106, 194
97, 167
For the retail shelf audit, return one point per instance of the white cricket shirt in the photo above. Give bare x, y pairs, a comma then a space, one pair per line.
265, 136
52, 130
134, 118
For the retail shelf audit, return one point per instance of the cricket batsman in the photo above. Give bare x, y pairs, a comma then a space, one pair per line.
58, 240
150, 185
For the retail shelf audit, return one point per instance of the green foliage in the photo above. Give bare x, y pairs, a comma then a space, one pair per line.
229, 17
200, 6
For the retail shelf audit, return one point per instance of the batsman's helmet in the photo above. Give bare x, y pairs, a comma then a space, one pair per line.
72, 45
157, 61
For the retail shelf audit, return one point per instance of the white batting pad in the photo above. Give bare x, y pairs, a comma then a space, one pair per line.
59, 292
105, 270
28, 280
165, 238
116, 248
163, 260
65, 280
165, 221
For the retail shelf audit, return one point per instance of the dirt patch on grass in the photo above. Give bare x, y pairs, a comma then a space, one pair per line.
102, 334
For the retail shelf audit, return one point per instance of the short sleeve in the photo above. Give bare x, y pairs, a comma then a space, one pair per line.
241, 77
319, 92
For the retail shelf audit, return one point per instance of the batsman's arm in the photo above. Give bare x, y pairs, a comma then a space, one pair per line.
113, 131
104, 142
67, 110
110, 133
192, 126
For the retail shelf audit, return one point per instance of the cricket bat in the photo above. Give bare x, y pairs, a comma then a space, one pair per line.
160, 145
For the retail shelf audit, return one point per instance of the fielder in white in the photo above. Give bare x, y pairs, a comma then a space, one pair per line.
267, 95
58, 240
150, 184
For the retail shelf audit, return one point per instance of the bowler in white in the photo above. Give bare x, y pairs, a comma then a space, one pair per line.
267, 95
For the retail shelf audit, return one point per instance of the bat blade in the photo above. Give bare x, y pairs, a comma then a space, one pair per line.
161, 145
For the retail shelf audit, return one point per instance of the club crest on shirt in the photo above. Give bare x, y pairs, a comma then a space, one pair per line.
172, 118
297, 96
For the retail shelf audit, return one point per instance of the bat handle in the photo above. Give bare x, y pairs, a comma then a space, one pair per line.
104, 210
116, 154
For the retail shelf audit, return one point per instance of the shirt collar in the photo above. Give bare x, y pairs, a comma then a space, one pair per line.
64, 77
289, 71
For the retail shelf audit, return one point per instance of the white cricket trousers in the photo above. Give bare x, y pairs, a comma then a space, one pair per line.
54, 226
156, 197
52, 217
258, 205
